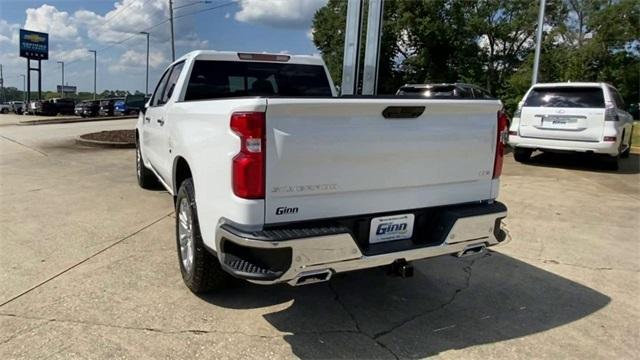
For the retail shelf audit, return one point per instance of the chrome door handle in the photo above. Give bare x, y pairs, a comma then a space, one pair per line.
160, 121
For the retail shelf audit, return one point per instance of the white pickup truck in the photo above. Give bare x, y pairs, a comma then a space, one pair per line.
276, 179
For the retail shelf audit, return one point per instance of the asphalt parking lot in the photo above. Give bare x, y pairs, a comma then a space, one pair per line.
89, 270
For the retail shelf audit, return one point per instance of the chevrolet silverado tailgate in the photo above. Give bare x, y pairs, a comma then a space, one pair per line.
334, 157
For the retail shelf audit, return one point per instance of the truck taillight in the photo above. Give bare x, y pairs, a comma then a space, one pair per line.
501, 141
249, 165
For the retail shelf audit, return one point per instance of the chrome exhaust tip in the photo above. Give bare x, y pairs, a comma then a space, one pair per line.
312, 277
472, 250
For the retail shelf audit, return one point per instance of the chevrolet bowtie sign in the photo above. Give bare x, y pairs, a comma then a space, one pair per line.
34, 45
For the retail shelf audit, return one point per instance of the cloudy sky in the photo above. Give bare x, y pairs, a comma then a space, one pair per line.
111, 27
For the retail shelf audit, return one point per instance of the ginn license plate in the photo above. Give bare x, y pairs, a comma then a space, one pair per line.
388, 228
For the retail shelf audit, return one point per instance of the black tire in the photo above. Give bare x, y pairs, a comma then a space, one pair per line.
5, 111
146, 178
627, 152
522, 155
205, 273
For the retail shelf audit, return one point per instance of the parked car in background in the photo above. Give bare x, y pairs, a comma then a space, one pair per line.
78, 109
445, 91
17, 106
5, 108
87, 108
63, 106
53, 107
130, 105
43, 107
586, 117
107, 106
31, 107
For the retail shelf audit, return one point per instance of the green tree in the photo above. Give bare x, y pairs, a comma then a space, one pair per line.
328, 35
490, 43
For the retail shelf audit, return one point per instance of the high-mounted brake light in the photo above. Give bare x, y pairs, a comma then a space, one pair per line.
501, 140
248, 169
263, 57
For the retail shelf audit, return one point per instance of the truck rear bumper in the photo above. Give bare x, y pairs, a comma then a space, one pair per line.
298, 255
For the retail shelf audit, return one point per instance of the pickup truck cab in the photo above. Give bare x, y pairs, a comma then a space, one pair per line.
276, 179
576, 117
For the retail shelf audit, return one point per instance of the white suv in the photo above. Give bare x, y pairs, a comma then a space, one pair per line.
581, 117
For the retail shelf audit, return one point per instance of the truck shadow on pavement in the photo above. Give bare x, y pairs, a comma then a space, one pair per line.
449, 304
587, 162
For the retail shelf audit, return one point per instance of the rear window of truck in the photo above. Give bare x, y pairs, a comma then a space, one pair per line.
211, 79
570, 97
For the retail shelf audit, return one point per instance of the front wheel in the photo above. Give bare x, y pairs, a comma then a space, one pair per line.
522, 155
201, 271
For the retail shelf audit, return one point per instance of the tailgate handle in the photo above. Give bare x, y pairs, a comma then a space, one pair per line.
402, 112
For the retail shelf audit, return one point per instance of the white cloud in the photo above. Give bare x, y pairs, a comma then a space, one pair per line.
69, 55
8, 32
278, 13
48, 19
127, 18
132, 59
310, 33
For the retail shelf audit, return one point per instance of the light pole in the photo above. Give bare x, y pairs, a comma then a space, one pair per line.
95, 66
173, 35
24, 89
62, 87
146, 83
536, 57
173, 44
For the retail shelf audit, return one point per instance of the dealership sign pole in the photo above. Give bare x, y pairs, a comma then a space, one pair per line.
351, 48
34, 46
536, 57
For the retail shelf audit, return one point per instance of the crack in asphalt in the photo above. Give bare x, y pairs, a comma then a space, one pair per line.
467, 269
357, 325
376, 337
85, 260
164, 331
27, 146
17, 334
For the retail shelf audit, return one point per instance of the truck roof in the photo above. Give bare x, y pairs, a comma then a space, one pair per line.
235, 56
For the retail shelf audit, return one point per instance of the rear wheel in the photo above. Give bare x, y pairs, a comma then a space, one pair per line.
146, 178
201, 271
522, 155
625, 154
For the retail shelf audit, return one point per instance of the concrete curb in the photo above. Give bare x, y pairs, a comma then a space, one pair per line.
635, 150
105, 144
73, 120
